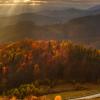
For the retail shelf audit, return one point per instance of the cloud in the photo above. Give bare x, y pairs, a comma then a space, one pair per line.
65, 2
74, 1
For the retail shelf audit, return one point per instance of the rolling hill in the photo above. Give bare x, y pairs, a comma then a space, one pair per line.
83, 30
27, 29
43, 15
84, 26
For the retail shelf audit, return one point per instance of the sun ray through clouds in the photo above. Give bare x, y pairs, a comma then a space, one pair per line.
12, 7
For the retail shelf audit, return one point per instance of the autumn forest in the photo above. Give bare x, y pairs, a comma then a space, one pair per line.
47, 62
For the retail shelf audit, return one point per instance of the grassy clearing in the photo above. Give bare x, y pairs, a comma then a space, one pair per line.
89, 89
74, 91
71, 94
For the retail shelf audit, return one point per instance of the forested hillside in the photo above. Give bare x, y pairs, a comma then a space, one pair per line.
25, 61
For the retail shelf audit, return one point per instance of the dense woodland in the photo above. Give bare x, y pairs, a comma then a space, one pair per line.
27, 61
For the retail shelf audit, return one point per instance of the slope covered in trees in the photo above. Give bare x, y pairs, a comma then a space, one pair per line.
26, 61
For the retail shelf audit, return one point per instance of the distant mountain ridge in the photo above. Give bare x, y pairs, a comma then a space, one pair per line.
44, 15
83, 30
53, 24
97, 7
81, 25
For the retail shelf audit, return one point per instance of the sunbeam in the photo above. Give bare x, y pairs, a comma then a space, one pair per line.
15, 7
14, 4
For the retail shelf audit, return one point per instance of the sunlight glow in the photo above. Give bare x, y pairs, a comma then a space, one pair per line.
14, 4
11, 7
26, 0
11, 2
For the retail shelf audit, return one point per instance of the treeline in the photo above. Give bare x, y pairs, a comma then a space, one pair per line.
26, 61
